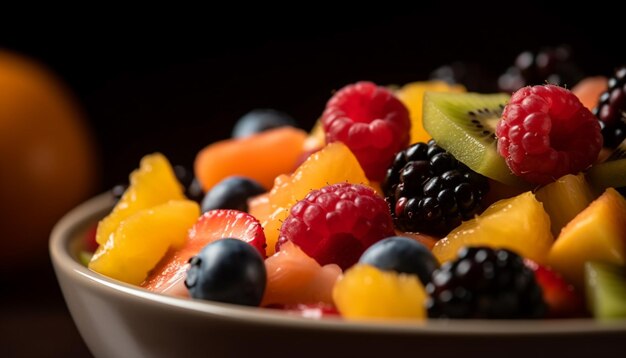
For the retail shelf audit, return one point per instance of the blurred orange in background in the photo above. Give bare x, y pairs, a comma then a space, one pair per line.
47, 159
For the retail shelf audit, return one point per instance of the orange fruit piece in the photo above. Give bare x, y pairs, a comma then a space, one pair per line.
412, 95
365, 292
590, 89
261, 157
154, 183
141, 240
331, 165
295, 278
519, 224
47, 156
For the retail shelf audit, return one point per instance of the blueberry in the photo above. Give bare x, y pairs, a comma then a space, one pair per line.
403, 255
118, 191
259, 120
231, 193
227, 270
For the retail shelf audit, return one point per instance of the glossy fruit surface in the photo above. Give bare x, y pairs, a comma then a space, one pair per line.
562, 298
333, 164
564, 198
485, 283
430, 191
546, 133
337, 223
367, 293
154, 183
169, 274
598, 233
371, 121
519, 224
402, 255
229, 271
142, 239
611, 107
261, 157
231, 193
295, 278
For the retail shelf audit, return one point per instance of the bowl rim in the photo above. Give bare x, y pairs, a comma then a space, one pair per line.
66, 230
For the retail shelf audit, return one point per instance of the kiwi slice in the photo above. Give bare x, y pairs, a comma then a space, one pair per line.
464, 124
611, 172
606, 290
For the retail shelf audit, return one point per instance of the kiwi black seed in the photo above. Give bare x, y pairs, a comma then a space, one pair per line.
464, 124
485, 120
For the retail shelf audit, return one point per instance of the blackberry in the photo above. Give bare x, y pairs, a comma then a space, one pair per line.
485, 283
431, 192
552, 65
611, 110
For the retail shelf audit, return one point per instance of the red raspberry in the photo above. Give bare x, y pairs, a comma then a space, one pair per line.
337, 223
371, 122
545, 133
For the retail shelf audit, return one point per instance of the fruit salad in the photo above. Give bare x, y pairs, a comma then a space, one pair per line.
403, 203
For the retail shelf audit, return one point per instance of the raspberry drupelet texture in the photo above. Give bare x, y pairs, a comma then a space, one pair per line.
371, 121
545, 133
337, 223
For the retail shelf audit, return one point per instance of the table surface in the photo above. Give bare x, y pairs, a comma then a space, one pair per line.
34, 320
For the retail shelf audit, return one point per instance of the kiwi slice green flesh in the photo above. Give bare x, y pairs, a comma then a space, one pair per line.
606, 290
464, 124
610, 173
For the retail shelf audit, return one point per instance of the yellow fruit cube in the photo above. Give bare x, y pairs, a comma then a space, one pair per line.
519, 224
141, 240
598, 233
365, 292
564, 198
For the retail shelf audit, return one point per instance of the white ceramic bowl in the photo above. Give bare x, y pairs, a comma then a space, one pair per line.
120, 320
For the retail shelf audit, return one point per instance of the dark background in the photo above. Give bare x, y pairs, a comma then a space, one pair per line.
176, 82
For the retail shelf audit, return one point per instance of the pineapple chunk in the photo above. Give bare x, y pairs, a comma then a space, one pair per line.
518, 224
564, 199
598, 233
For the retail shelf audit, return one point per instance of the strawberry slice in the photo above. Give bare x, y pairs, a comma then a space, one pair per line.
562, 299
169, 275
